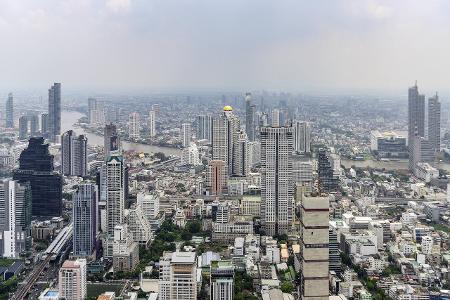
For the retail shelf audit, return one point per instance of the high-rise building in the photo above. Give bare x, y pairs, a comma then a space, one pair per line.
190, 155
302, 137
92, 107
177, 276
334, 254
72, 280
134, 126
186, 134
85, 212
314, 252
111, 139
34, 125
222, 280
36, 167
276, 118
125, 250
216, 179
73, 154
241, 165
149, 204
204, 127
23, 127
15, 218
9, 111
44, 124
434, 122
152, 123
249, 117
254, 153
416, 120
138, 225
115, 194
423, 151
54, 111
303, 175
328, 169
276, 180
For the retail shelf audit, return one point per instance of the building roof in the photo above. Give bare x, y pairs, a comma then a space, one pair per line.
227, 108
183, 257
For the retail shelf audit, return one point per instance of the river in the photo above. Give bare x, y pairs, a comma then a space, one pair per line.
388, 165
69, 118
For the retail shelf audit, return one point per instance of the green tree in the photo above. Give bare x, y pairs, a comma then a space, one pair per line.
287, 287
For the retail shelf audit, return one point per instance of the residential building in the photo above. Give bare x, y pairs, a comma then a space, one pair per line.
134, 126
54, 111
302, 137
72, 280
222, 280
249, 117
84, 217
73, 154
186, 134
152, 123
9, 111
434, 122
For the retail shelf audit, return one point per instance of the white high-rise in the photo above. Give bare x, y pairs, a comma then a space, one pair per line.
276, 118
149, 204
178, 276
151, 123
204, 127
134, 126
84, 216
302, 137
190, 156
276, 183
434, 122
186, 134
72, 280
73, 154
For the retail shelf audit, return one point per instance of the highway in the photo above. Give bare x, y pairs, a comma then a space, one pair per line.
26, 286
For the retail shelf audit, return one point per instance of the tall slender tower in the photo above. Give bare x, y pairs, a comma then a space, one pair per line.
151, 123
204, 127
84, 219
241, 165
133, 125
73, 154
434, 122
186, 134
302, 137
54, 111
416, 120
276, 183
72, 279
249, 117
111, 139
276, 118
10, 111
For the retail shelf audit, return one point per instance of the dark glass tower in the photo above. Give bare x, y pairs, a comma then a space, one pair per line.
328, 180
54, 111
36, 167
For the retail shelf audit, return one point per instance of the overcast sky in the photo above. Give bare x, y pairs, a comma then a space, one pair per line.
231, 44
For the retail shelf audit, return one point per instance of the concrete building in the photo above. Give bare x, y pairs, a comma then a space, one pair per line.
23, 128
389, 144
9, 110
276, 118
178, 276
138, 225
54, 111
125, 250
314, 243
434, 122
73, 154
134, 126
111, 139
216, 179
204, 127
190, 155
249, 117
152, 123
186, 134
277, 184
416, 121
241, 165
72, 280
84, 216
302, 137
222, 280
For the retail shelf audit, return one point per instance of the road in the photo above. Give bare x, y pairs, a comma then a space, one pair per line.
28, 283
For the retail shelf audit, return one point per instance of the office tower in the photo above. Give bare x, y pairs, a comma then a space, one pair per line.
254, 153
334, 254
36, 167
276, 118
222, 280
434, 122
186, 134
423, 151
44, 124
217, 175
249, 117
84, 217
9, 111
241, 165
177, 276
34, 125
302, 137
314, 252
54, 111
139, 228
328, 171
204, 128
149, 204
73, 154
416, 120
115, 193
15, 218
151, 123
276, 180
226, 130
125, 250
134, 126
23, 127
72, 280
111, 139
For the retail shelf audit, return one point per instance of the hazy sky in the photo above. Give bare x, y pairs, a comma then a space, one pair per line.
231, 44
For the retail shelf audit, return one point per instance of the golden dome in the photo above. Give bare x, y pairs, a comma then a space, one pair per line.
227, 108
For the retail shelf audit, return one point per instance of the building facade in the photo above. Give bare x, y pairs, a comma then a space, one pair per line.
73, 154
85, 215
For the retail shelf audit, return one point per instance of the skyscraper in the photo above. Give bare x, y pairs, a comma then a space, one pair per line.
276, 180
275, 118
115, 195
314, 252
54, 111
15, 218
111, 139
23, 127
96, 111
186, 134
9, 111
36, 167
34, 125
222, 280
416, 120
44, 124
85, 212
241, 165
216, 177
134, 126
434, 122
151, 123
177, 276
73, 154
72, 280
204, 127
249, 117
328, 171
302, 137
